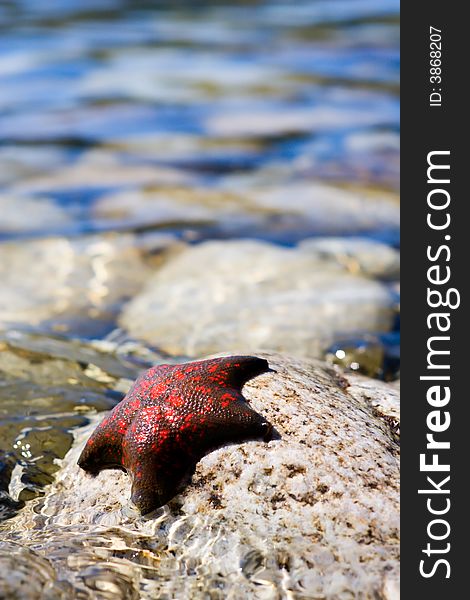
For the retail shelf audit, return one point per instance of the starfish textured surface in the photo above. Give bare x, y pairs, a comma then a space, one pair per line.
172, 416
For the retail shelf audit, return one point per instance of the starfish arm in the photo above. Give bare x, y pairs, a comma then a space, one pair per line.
103, 449
233, 421
234, 371
155, 460
228, 419
153, 485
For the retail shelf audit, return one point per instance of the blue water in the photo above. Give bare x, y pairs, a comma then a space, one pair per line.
311, 86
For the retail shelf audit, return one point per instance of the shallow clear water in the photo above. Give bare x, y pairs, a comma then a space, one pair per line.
145, 117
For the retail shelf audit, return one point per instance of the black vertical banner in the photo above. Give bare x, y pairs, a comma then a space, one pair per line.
436, 331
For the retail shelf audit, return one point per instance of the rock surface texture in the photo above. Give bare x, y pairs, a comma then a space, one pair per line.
313, 514
250, 295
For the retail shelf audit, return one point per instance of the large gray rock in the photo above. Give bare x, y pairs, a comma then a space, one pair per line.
253, 295
313, 514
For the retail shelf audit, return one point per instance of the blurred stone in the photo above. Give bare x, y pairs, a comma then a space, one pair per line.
251, 295
23, 214
250, 206
68, 284
166, 205
314, 513
331, 210
17, 163
128, 73
373, 141
277, 121
99, 169
358, 255
179, 147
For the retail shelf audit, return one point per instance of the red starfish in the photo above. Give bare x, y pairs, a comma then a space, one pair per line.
171, 418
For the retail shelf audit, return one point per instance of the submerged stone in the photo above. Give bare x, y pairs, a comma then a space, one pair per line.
374, 356
170, 205
358, 255
330, 210
42, 213
252, 295
75, 284
98, 168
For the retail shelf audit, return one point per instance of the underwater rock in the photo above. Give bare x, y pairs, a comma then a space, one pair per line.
358, 255
83, 281
314, 513
98, 169
374, 356
18, 163
162, 205
330, 209
249, 205
252, 295
42, 213
274, 121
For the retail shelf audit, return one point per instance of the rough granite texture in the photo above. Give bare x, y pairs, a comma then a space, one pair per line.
250, 295
312, 515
